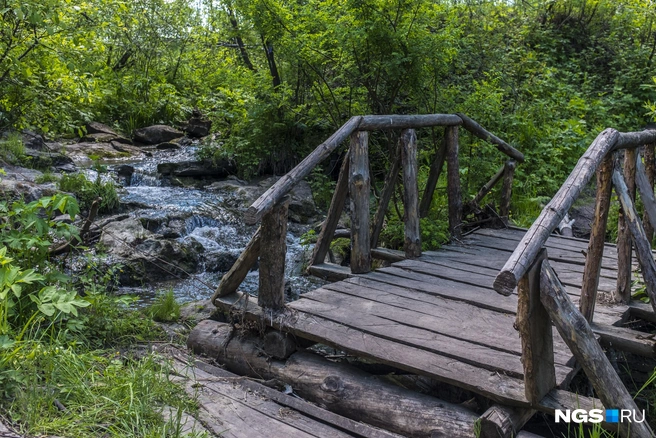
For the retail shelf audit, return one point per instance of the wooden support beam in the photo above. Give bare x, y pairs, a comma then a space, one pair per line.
553, 213
359, 185
501, 421
372, 123
624, 246
412, 245
453, 181
234, 277
386, 196
480, 132
592, 269
277, 191
334, 212
506, 190
580, 339
536, 335
636, 139
273, 248
646, 190
642, 246
433, 177
649, 154
487, 187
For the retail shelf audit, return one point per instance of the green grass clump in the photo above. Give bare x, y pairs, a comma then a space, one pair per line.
165, 308
46, 177
87, 191
12, 149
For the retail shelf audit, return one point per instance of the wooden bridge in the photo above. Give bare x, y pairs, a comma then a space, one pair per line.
509, 314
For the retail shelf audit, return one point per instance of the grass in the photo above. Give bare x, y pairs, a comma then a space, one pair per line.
12, 149
87, 191
165, 308
46, 177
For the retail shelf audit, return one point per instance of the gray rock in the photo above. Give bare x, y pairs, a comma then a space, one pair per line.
198, 127
103, 137
32, 140
100, 128
84, 152
43, 159
155, 134
167, 145
196, 169
197, 311
12, 189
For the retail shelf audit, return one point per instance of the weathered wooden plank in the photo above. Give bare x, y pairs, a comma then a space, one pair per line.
642, 245
386, 196
412, 244
624, 339
330, 271
635, 139
576, 331
433, 177
359, 185
535, 332
390, 255
554, 212
453, 181
235, 276
371, 123
335, 210
592, 270
480, 132
506, 190
273, 249
624, 244
504, 422
277, 191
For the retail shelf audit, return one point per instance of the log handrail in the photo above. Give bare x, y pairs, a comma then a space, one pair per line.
606, 142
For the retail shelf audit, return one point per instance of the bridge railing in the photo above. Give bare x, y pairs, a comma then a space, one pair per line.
354, 182
543, 301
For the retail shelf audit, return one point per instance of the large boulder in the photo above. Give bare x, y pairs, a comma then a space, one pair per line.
156, 134
103, 137
197, 169
54, 160
18, 183
100, 128
198, 126
89, 151
146, 256
32, 140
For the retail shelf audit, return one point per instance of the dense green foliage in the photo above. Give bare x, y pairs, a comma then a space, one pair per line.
87, 191
60, 372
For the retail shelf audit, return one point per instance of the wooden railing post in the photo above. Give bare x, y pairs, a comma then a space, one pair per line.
359, 184
592, 268
334, 212
624, 246
650, 167
506, 190
473, 205
453, 181
536, 334
386, 196
234, 277
412, 244
433, 177
273, 248
581, 340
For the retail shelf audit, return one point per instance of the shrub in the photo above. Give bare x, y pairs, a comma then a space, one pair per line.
165, 308
12, 149
87, 191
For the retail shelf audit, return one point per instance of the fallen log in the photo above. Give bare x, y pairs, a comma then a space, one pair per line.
340, 388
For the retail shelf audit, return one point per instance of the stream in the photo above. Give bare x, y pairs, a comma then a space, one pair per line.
211, 219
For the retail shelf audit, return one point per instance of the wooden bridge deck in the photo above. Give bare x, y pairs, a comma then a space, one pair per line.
438, 315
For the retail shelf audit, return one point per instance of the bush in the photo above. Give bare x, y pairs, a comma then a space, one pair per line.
87, 191
165, 308
12, 149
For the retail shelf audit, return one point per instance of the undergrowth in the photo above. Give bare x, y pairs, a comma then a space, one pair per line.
87, 191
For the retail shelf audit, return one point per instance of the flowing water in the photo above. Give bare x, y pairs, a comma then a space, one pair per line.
208, 220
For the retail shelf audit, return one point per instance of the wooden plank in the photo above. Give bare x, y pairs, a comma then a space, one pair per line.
480, 132
592, 270
642, 245
453, 181
503, 389
390, 255
384, 301
624, 243
506, 190
353, 428
553, 213
371, 123
536, 334
238, 271
335, 210
576, 331
330, 271
649, 154
504, 422
277, 191
433, 177
624, 339
386, 196
412, 242
273, 250
359, 186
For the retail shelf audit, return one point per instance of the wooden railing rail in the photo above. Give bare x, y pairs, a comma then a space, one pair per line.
268, 243
608, 141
